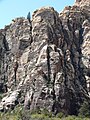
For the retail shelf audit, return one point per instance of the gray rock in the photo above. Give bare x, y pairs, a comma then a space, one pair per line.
53, 55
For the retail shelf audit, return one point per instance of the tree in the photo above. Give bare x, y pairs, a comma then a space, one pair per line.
29, 17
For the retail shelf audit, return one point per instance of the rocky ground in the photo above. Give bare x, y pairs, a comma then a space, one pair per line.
45, 62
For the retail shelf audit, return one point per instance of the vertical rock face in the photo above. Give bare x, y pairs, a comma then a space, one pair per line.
45, 63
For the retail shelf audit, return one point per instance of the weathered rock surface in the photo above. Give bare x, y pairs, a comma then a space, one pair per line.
52, 53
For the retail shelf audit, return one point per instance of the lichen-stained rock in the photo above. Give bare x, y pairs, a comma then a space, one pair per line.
52, 53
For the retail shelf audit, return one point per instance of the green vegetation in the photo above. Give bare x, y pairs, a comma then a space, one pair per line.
1, 96
85, 109
21, 114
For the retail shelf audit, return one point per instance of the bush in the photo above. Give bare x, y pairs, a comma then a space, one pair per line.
60, 115
25, 115
39, 117
35, 111
84, 111
46, 113
19, 113
75, 118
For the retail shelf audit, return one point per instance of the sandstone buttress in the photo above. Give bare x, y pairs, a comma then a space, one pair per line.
53, 55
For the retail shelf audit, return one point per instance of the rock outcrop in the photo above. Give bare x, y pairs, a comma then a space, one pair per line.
52, 52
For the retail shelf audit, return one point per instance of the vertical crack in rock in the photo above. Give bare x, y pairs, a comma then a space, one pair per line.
48, 57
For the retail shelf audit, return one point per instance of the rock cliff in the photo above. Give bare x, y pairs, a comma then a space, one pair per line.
45, 62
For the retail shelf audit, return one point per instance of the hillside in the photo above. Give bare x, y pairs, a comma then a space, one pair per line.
45, 62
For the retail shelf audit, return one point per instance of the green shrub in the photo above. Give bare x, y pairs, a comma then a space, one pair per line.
70, 118
19, 113
39, 117
25, 115
84, 111
35, 111
60, 115
46, 113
